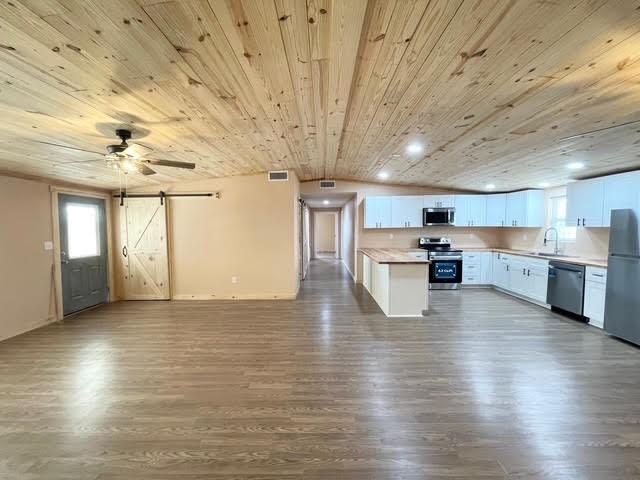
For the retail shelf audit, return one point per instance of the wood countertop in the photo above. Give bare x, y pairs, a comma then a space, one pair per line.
392, 255
588, 262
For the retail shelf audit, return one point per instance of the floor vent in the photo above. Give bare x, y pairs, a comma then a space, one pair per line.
279, 176
327, 184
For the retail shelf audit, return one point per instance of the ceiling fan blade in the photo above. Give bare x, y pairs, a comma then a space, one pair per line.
136, 150
57, 164
143, 169
171, 163
67, 147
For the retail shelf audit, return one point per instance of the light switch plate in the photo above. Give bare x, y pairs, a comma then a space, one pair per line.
48, 245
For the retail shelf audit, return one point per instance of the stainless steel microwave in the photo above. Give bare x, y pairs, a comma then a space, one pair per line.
438, 216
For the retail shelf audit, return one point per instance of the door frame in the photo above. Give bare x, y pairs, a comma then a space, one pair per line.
55, 216
337, 233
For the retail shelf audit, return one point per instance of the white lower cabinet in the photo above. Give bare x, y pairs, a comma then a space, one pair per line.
521, 275
477, 268
594, 294
500, 270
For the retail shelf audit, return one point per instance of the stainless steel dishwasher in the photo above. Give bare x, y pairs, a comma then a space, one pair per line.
565, 289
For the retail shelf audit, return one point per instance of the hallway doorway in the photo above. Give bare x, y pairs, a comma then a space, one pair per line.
326, 231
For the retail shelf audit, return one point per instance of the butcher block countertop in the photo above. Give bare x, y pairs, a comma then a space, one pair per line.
392, 255
589, 262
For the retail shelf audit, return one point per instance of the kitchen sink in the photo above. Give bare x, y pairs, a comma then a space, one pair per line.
542, 254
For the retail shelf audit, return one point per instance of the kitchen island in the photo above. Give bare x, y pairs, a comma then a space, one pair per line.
397, 279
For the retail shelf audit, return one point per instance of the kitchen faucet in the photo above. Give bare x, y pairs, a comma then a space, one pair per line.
557, 249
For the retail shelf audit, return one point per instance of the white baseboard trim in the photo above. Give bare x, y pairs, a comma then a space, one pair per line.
353, 277
261, 296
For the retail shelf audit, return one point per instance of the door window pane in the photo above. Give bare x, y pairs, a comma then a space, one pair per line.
83, 234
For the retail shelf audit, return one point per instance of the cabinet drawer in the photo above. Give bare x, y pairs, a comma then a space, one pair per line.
597, 275
470, 278
470, 268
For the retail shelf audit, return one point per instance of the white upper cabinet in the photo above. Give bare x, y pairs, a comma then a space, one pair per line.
585, 200
406, 212
377, 212
438, 201
525, 209
496, 210
620, 191
471, 210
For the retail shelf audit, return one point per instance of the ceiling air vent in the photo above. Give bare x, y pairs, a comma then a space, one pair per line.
279, 176
327, 184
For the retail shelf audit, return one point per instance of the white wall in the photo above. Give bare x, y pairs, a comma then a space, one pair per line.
348, 235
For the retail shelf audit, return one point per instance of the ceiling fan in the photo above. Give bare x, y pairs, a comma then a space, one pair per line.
128, 158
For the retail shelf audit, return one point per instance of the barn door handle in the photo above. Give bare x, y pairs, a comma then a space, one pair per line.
124, 251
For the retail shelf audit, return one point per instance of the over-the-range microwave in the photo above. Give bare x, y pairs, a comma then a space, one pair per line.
438, 216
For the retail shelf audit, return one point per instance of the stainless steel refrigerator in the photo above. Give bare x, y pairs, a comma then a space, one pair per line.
622, 304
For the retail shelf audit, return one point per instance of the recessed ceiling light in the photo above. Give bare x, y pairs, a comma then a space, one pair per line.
490, 186
575, 165
544, 184
414, 148
383, 175
326, 202
395, 155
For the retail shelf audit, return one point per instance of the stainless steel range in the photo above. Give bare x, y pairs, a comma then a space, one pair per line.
445, 271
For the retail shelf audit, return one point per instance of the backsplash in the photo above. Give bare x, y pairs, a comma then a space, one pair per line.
590, 242
408, 238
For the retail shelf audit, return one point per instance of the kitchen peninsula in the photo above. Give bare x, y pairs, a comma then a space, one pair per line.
397, 280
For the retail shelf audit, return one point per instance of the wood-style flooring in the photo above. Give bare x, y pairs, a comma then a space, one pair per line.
325, 387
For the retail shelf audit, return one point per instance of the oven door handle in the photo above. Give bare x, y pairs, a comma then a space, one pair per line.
446, 258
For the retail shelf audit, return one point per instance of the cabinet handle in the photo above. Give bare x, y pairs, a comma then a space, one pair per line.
597, 275
584, 224
578, 221
524, 271
528, 272
507, 267
502, 223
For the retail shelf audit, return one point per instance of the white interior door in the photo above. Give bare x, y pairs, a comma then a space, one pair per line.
144, 249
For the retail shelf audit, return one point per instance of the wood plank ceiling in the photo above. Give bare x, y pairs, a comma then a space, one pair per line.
330, 88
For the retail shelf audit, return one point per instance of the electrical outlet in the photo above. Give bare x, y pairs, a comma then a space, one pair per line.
524, 236
391, 236
48, 245
234, 279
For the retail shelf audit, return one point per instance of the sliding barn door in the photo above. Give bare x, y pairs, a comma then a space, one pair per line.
144, 250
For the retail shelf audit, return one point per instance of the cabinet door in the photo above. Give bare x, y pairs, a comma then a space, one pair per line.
462, 211
496, 210
477, 210
516, 209
500, 271
594, 296
620, 191
585, 203
536, 210
406, 211
371, 212
438, 201
517, 276
537, 278
384, 212
377, 212
486, 269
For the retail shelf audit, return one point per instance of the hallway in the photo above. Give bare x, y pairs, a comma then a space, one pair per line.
324, 387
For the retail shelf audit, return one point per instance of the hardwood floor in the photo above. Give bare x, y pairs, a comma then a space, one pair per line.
486, 387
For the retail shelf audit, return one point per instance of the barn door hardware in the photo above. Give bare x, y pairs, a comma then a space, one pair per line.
162, 195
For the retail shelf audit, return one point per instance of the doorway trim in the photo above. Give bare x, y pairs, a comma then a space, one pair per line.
337, 240
55, 222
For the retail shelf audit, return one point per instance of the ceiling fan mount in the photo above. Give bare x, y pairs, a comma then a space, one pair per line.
123, 135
